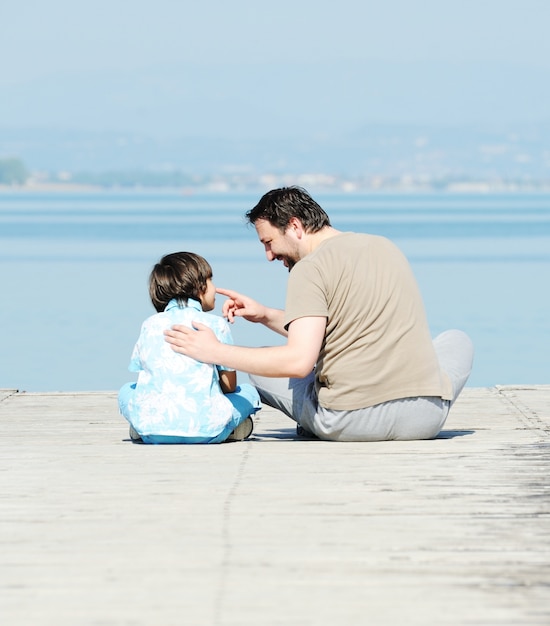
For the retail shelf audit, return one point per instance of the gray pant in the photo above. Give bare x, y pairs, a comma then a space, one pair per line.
407, 418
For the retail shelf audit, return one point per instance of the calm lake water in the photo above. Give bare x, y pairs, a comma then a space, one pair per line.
74, 269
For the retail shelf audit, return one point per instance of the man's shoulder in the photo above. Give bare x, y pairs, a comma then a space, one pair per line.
357, 243
350, 238
344, 244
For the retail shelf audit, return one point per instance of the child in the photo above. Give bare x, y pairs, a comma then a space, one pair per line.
177, 399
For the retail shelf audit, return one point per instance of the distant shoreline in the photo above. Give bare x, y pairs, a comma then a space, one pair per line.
54, 187
464, 188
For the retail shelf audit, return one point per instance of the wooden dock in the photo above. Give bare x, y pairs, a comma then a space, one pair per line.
96, 530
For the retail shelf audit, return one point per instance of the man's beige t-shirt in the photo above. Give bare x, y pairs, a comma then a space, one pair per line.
377, 343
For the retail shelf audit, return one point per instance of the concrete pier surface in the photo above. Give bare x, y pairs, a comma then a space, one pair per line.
96, 530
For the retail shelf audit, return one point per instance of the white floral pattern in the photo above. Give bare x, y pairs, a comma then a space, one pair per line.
175, 395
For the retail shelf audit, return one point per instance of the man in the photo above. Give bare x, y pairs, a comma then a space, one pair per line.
359, 363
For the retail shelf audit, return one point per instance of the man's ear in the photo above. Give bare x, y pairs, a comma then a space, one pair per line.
296, 226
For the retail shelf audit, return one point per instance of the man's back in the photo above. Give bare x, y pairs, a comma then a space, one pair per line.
377, 343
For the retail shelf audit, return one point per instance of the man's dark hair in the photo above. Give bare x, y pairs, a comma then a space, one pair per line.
278, 206
180, 276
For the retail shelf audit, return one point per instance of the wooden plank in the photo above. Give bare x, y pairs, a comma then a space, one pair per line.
274, 530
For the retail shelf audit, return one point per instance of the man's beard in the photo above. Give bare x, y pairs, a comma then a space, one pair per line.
290, 263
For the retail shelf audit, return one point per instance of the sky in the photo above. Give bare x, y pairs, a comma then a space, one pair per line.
248, 68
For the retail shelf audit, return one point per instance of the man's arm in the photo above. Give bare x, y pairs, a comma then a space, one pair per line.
293, 360
238, 305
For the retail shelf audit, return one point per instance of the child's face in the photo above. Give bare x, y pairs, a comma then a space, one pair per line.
208, 298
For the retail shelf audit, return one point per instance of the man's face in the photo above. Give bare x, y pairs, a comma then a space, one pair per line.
280, 246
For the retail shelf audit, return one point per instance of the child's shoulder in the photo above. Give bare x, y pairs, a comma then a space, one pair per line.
214, 320
185, 315
155, 320
190, 314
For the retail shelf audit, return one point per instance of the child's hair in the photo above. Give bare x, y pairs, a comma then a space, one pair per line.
180, 275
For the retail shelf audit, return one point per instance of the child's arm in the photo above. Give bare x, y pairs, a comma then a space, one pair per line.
228, 381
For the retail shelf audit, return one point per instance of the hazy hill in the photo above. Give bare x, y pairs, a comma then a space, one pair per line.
521, 152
